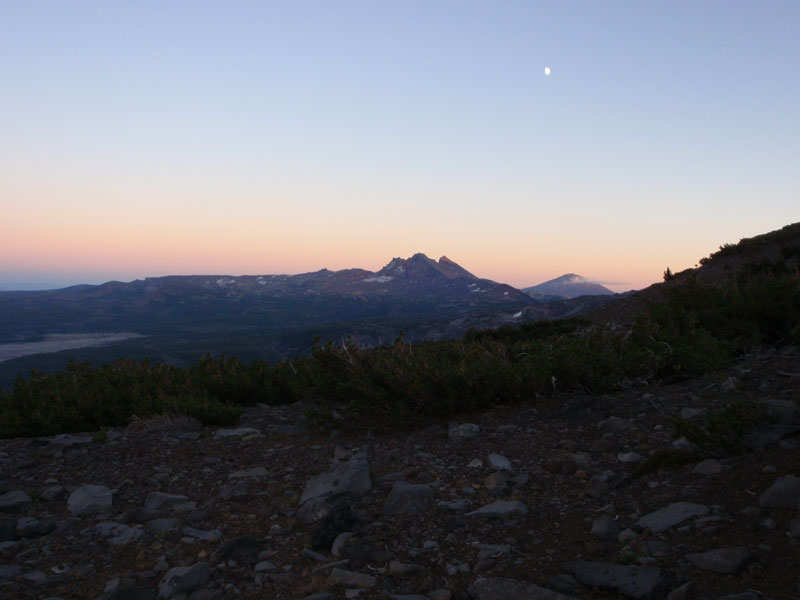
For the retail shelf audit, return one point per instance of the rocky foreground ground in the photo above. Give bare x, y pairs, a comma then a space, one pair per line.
539, 500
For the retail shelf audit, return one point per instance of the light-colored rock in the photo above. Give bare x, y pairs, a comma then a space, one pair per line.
500, 508
499, 462
184, 579
162, 500
89, 499
213, 535
629, 457
463, 431
344, 480
239, 432
671, 515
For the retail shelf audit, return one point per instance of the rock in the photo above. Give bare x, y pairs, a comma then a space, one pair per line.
66, 441
255, 472
213, 535
463, 432
454, 505
722, 560
407, 499
89, 499
156, 501
340, 542
29, 527
629, 457
680, 592
691, 413
184, 579
709, 466
53, 492
14, 500
613, 425
501, 588
118, 533
605, 527
500, 508
345, 480
766, 434
786, 411
239, 432
783, 493
499, 462
631, 581
672, 514
242, 547
336, 522
9, 571
352, 579
626, 535
398, 568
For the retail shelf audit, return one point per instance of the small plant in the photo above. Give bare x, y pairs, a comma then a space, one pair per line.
100, 436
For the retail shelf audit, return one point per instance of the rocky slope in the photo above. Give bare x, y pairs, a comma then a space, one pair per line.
540, 500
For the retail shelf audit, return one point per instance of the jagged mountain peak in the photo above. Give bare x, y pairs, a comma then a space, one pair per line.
420, 266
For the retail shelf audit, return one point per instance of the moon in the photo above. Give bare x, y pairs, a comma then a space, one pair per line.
547, 71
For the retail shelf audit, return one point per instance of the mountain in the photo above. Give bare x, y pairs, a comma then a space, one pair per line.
566, 286
175, 319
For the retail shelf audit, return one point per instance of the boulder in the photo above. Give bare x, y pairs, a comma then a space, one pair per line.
344, 480
89, 499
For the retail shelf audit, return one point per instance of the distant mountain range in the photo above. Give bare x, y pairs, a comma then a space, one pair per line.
176, 319
566, 286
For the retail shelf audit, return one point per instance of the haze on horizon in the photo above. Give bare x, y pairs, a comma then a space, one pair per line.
283, 137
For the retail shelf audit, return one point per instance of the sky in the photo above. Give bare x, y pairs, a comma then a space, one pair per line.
256, 137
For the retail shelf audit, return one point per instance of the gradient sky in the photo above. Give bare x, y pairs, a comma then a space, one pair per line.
174, 137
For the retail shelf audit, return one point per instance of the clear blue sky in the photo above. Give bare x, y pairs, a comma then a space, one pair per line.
147, 138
